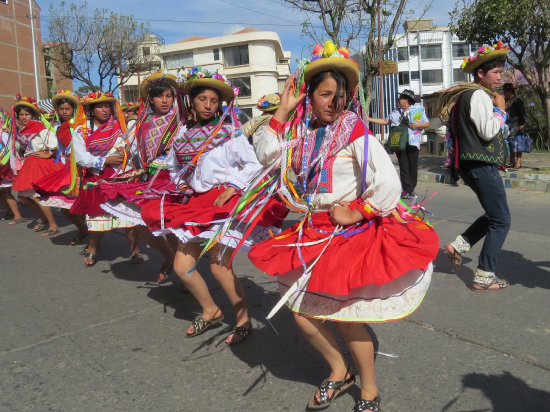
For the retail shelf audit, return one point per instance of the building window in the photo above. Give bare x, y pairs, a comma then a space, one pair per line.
459, 76
413, 51
432, 76
175, 61
4, 1
415, 75
431, 52
131, 93
403, 78
402, 54
460, 50
216, 54
245, 114
243, 83
146, 51
236, 55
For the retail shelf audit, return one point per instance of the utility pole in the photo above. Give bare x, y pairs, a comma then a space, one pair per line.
36, 84
380, 79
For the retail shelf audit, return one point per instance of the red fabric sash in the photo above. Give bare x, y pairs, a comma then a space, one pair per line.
63, 134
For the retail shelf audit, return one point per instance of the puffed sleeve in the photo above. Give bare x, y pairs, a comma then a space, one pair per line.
245, 164
487, 118
82, 156
383, 185
267, 143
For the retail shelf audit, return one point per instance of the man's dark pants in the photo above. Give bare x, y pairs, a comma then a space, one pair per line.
485, 181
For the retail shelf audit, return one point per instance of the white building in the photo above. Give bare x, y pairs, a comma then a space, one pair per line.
251, 59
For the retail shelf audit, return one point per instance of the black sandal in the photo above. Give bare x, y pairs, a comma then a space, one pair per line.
92, 256
39, 227
137, 258
200, 325
365, 405
339, 387
241, 331
164, 274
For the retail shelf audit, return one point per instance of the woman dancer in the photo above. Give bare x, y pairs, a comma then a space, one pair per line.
217, 163
35, 147
99, 146
159, 123
51, 187
355, 257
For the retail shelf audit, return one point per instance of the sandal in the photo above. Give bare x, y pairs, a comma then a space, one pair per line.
78, 238
454, 256
325, 399
16, 221
241, 331
39, 227
92, 256
137, 258
50, 232
164, 274
365, 405
487, 283
200, 325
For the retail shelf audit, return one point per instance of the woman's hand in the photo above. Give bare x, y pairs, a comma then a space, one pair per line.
342, 215
225, 196
114, 160
289, 101
43, 154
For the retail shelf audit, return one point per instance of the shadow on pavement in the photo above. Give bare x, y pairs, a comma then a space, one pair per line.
506, 392
517, 270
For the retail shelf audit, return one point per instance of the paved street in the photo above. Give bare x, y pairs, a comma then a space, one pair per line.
107, 338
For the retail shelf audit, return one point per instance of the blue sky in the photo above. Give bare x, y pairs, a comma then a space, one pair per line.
218, 17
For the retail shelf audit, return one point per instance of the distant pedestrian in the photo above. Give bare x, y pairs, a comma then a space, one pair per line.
515, 108
476, 122
412, 115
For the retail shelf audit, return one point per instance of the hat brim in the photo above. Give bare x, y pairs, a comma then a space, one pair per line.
155, 77
268, 109
67, 96
225, 90
100, 100
471, 66
27, 105
346, 66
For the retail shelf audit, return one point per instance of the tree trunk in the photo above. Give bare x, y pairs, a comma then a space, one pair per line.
368, 91
546, 141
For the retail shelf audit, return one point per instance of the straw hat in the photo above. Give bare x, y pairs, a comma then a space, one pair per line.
482, 55
97, 97
155, 77
329, 58
28, 103
269, 103
65, 94
197, 77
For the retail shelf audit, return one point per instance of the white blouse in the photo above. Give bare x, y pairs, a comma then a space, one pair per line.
482, 115
383, 184
44, 141
233, 162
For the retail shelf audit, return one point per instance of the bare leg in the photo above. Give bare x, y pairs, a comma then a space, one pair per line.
132, 235
360, 344
11, 202
95, 239
34, 206
518, 159
80, 222
320, 336
233, 288
48, 214
156, 242
196, 285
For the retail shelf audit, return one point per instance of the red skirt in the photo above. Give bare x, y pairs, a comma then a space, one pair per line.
6, 172
34, 168
90, 198
199, 209
383, 252
54, 182
128, 190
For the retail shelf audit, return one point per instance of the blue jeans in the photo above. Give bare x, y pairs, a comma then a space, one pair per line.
486, 183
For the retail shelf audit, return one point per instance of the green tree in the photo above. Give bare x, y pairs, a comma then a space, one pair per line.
98, 48
524, 25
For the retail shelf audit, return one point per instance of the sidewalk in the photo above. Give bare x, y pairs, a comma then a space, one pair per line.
534, 175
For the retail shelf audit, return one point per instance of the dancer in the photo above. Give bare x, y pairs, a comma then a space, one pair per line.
217, 163
52, 187
35, 148
7, 174
476, 122
357, 255
99, 147
159, 122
